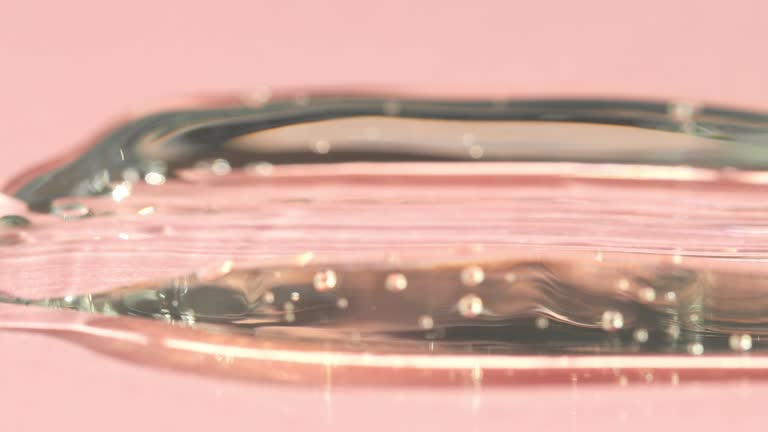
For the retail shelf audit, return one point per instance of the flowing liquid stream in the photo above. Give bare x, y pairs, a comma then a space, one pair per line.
396, 241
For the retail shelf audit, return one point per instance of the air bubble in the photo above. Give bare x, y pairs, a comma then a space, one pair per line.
121, 191
324, 280
470, 306
263, 169
269, 297
670, 297
154, 178
640, 335
673, 330
342, 303
295, 296
510, 277
740, 342
612, 320
541, 323
622, 284
14, 221
647, 294
71, 210
220, 167
695, 348
321, 146
392, 108
396, 282
682, 111
426, 322
146, 211
472, 276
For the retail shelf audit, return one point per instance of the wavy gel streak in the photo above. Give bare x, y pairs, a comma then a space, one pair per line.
390, 241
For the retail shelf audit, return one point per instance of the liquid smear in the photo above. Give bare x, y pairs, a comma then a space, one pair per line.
391, 241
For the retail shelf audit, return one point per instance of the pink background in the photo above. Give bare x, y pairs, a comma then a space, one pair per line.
69, 66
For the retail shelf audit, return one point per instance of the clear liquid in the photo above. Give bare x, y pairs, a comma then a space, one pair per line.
404, 244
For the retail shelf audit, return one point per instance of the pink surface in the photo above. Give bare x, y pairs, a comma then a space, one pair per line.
70, 66
63, 395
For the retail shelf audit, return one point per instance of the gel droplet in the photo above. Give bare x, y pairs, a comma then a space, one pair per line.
541, 256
